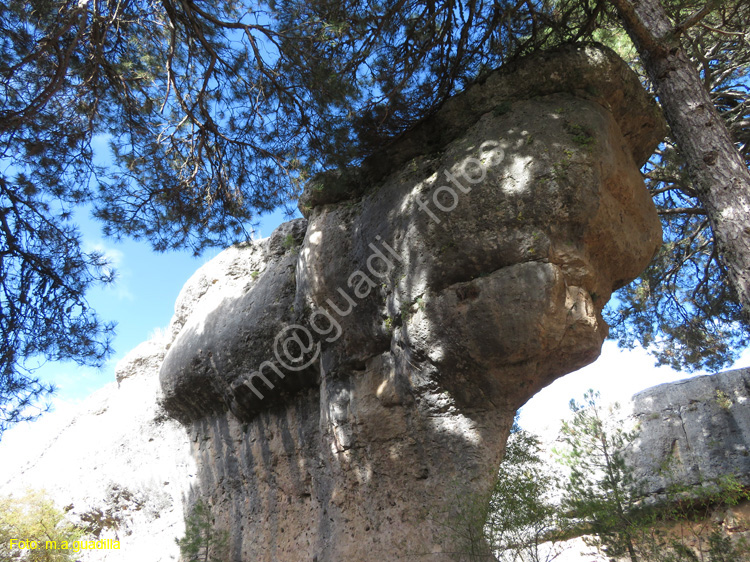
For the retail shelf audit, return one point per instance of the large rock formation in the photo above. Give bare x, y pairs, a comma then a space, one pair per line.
345, 380
693, 431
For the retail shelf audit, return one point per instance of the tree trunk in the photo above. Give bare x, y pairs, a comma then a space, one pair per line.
718, 172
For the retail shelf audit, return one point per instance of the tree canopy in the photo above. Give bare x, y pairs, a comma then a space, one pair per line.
685, 307
215, 112
33, 516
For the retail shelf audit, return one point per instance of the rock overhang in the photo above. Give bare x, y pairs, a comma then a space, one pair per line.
558, 140
349, 382
588, 71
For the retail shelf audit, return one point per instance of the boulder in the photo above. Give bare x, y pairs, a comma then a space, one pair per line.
345, 381
693, 431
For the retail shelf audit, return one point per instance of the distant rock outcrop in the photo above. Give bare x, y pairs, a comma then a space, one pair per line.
690, 433
343, 381
693, 431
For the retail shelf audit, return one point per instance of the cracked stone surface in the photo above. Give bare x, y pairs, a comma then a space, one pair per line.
348, 381
700, 427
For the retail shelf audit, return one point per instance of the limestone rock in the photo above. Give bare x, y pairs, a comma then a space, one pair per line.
143, 359
340, 399
235, 268
699, 428
237, 302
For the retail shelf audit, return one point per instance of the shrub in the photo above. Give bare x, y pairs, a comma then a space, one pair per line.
34, 517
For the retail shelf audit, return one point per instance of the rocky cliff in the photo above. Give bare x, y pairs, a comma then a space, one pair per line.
345, 380
693, 431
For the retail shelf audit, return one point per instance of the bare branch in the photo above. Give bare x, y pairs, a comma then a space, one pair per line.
695, 18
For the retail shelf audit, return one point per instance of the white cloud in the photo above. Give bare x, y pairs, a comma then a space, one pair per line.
115, 262
617, 375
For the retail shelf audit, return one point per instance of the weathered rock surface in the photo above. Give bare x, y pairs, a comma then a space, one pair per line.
363, 366
693, 431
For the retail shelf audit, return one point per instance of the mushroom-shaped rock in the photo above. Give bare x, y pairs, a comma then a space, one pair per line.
366, 373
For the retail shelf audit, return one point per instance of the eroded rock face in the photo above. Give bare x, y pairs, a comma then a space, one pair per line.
693, 431
116, 463
363, 370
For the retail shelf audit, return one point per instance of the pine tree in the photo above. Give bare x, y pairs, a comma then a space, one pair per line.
600, 491
523, 524
202, 541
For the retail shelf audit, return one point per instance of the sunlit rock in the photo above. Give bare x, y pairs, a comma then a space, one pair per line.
349, 378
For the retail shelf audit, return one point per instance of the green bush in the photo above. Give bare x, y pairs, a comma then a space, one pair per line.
522, 513
202, 541
34, 517
513, 522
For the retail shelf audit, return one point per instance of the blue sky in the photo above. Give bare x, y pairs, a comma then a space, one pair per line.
141, 300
